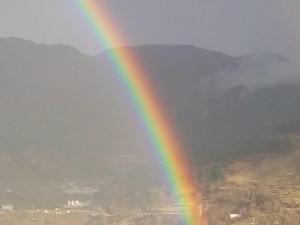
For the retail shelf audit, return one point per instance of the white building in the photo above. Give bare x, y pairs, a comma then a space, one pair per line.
235, 215
75, 204
7, 207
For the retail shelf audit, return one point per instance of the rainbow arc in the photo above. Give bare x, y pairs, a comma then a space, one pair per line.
158, 127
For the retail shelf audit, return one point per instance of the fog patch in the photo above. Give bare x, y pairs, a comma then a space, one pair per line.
261, 70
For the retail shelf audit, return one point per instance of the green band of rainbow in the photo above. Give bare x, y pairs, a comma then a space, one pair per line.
154, 118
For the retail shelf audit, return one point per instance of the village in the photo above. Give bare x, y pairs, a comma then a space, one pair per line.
280, 203
78, 206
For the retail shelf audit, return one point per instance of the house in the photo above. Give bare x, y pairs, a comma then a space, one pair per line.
75, 204
233, 216
7, 207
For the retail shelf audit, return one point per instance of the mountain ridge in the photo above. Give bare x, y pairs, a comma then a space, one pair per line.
72, 105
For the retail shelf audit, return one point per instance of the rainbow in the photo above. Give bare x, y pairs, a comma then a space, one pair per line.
161, 133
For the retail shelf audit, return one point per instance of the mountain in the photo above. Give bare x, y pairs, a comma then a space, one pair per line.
186, 73
218, 101
70, 109
60, 114
180, 72
56, 98
242, 115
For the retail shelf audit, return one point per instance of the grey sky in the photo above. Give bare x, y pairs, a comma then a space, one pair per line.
232, 26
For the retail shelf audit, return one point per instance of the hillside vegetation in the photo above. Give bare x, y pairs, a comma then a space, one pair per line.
261, 187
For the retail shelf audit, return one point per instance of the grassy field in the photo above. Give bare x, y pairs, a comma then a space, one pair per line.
33, 218
264, 188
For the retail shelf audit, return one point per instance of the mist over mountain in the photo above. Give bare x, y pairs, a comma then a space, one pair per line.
72, 106
218, 101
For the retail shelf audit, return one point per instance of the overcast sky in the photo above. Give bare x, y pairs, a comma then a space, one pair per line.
235, 27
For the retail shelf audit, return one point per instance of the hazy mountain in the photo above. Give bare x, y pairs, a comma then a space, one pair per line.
187, 74
54, 97
218, 101
59, 110
242, 115
72, 106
